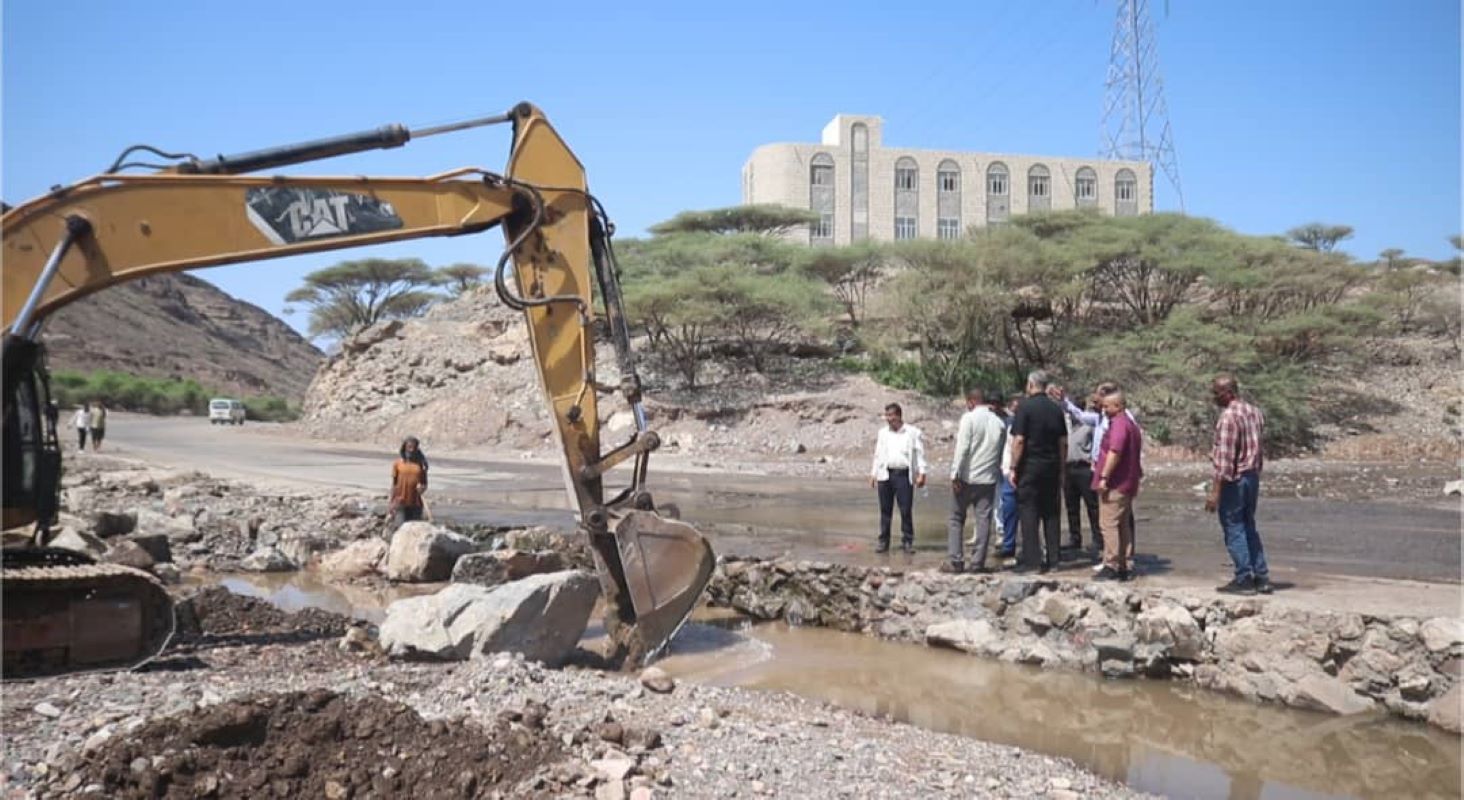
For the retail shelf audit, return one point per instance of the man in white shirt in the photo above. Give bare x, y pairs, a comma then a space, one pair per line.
975, 470
898, 452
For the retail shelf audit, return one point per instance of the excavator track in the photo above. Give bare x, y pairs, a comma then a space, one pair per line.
73, 618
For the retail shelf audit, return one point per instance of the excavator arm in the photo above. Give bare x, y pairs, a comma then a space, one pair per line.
116, 227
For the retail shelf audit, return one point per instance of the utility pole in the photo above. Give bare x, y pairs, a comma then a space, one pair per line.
1135, 124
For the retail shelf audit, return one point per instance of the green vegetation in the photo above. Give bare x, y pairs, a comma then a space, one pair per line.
120, 391
696, 293
1159, 303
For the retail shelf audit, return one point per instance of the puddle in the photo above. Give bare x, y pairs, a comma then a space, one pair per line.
293, 591
1155, 736
1159, 737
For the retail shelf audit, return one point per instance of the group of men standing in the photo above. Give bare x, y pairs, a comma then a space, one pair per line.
1025, 461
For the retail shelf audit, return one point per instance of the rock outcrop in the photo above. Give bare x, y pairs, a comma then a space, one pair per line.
1261, 650
542, 617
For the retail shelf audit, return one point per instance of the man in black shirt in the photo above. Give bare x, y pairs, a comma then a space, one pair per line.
1039, 447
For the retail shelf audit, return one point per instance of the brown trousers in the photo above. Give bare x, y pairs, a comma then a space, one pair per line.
1116, 519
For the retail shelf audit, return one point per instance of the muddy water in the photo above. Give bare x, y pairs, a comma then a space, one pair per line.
1156, 736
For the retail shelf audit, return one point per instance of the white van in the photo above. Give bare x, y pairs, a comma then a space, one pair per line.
223, 411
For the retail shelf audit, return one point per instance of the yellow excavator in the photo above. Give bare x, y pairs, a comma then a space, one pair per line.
65, 613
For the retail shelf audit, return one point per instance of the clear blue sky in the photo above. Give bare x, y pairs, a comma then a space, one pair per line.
1283, 113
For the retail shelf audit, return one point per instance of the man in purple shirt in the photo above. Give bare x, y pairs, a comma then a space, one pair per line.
1116, 479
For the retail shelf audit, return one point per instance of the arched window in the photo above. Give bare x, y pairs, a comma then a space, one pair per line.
907, 198
1125, 193
998, 191
948, 200
821, 198
1085, 188
1039, 188
859, 181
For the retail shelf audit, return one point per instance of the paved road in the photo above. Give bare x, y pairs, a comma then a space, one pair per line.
766, 515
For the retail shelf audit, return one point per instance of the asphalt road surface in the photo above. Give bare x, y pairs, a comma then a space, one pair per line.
815, 518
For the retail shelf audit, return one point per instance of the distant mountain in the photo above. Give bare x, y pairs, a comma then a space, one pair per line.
179, 326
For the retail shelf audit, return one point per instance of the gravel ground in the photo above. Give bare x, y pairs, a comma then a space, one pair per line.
619, 738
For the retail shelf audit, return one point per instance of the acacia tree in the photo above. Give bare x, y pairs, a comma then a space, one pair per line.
459, 278
764, 220
1318, 236
349, 296
850, 271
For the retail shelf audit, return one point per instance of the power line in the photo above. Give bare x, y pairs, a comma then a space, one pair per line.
1135, 122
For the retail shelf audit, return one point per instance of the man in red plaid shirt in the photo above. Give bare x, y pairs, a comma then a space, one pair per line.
1237, 487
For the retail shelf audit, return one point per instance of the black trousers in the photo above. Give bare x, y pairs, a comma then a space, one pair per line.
897, 489
1039, 501
81, 436
1078, 493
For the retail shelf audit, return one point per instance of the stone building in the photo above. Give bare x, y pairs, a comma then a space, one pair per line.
863, 189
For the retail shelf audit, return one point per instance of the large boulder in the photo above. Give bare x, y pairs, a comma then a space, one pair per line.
80, 542
1442, 633
967, 635
503, 566
156, 545
356, 560
113, 523
129, 554
177, 528
1173, 629
267, 559
422, 552
1444, 710
542, 616
1326, 693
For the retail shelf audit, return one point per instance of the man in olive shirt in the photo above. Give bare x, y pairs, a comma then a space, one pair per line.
1039, 449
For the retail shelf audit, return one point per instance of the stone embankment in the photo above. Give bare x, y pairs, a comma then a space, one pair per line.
1259, 648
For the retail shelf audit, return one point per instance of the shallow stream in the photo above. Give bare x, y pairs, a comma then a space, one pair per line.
1157, 736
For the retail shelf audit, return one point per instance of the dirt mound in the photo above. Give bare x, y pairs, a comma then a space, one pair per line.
317, 744
217, 613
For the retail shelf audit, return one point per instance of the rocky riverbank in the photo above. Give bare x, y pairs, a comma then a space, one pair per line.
254, 703
1259, 648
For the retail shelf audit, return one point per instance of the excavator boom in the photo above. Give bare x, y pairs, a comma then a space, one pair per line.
117, 227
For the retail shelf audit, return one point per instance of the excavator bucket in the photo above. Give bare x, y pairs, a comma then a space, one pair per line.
666, 564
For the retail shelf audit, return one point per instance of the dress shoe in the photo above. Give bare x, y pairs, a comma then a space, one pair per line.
1241, 586
1107, 574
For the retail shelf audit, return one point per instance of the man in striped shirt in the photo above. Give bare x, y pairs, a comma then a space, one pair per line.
1237, 461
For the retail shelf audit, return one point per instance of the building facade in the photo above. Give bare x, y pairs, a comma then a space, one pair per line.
864, 190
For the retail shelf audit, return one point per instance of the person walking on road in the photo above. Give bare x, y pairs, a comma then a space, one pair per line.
975, 469
1236, 489
1117, 484
98, 424
899, 452
1039, 447
408, 482
81, 421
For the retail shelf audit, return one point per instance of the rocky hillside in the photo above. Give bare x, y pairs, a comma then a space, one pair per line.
463, 376
179, 326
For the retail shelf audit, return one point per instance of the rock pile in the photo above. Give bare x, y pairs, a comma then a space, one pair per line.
162, 520
1335, 662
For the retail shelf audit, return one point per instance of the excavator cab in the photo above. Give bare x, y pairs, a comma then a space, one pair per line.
69, 615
